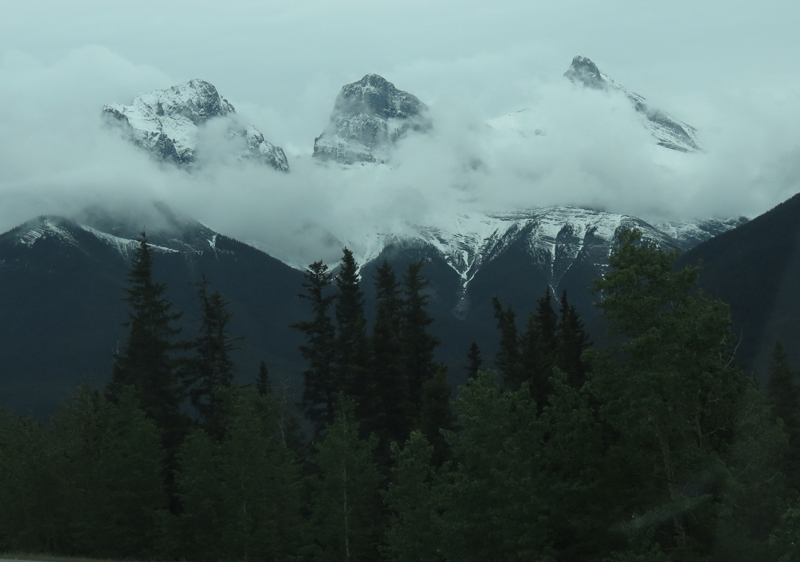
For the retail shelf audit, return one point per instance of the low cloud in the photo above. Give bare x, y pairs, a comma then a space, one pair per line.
546, 142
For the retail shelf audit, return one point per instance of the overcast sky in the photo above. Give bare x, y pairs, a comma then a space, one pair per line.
731, 69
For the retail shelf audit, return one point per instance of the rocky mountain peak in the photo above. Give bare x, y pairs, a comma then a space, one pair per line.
368, 117
668, 131
165, 122
584, 71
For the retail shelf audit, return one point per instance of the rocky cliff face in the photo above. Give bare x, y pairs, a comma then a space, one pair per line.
369, 116
669, 132
166, 123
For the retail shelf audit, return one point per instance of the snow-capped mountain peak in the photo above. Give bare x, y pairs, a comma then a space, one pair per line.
166, 122
669, 132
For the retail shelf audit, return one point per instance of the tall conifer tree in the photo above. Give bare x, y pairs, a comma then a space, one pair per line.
391, 420
146, 363
211, 367
418, 344
352, 349
321, 386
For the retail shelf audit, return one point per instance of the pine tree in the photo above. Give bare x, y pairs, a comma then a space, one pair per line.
321, 386
436, 415
547, 320
509, 359
352, 349
391, 419
418, 344
572, 342
212, 367
263, 386
474, 361
146, 363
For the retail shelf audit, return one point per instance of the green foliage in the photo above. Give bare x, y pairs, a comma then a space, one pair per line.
113, 478
345, 491
241, 496
435, 414
492, 502
784, 397
675, 402
33, 513
414, 528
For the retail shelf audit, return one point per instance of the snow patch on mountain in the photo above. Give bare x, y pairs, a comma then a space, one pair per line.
166, 123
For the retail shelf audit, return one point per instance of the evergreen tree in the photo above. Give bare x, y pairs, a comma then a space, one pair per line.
146, 362
241, 496
391, 419
344, 510
113, 476
509, 359
547, 319
784, 398
414, 531
474, 361
436, 415
263, 386
418, 344
352, 349
319, 395
572, 342
212, 367
492, 501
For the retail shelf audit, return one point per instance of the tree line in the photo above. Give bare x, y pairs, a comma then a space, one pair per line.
657, 447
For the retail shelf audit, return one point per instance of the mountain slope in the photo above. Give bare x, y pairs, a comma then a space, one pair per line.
756, 270
166, 123
63, 283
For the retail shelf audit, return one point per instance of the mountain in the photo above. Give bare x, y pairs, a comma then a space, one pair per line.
63, 282
167, 122
669, 132
756, 269
368, 118
64, 279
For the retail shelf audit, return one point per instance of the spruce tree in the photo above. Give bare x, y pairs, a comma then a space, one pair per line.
146, 363
509, 360
211, 367
263, 386
572, 342
418, 344
391, 420
474, 361
352, 349
436, 416
321, 385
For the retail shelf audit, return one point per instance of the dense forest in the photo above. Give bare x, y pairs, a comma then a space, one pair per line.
656, 447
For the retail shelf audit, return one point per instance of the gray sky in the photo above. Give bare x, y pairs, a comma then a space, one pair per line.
731, 69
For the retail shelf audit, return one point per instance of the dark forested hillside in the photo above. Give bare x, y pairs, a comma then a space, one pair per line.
756, 270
